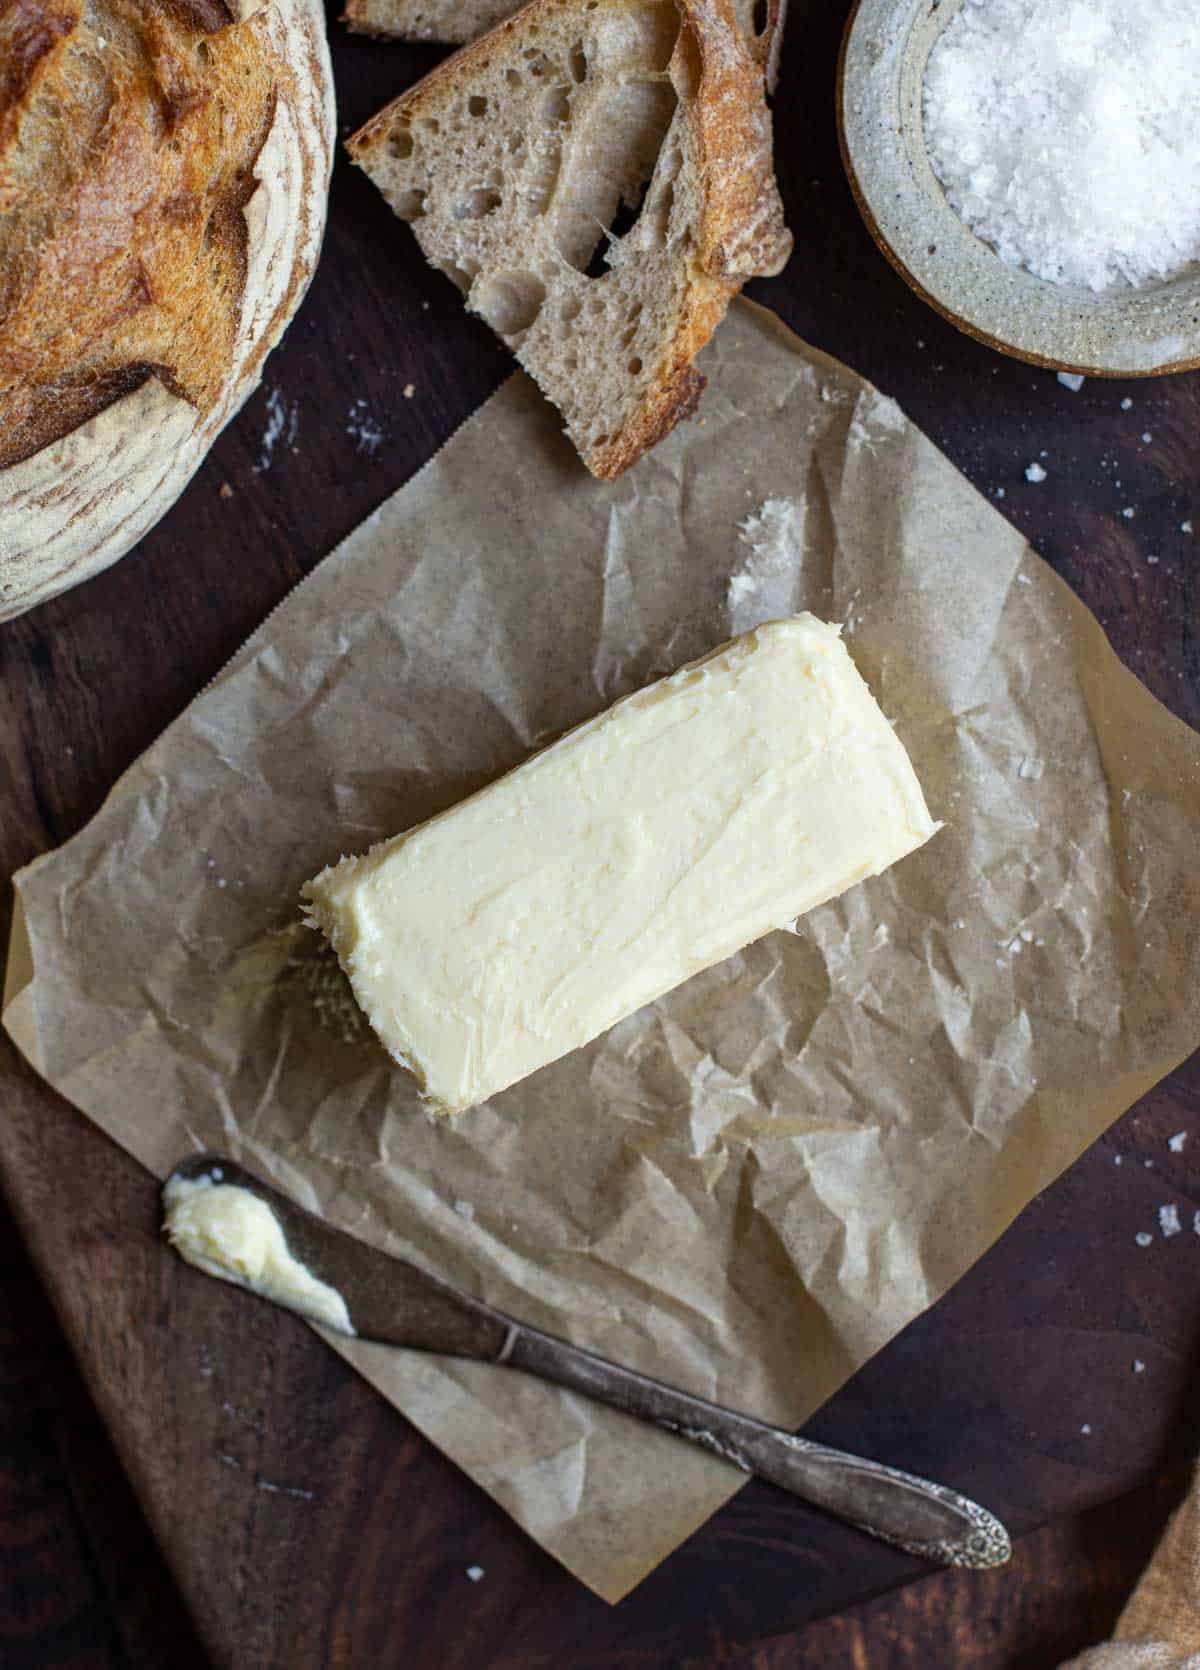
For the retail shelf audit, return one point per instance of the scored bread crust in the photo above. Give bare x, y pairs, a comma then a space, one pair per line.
148, 266
517, 243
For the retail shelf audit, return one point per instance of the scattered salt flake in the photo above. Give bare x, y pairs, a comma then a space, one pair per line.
1185, 527
1086, 1429
1139, 1366
1118, 1159
1024, 580
1030, 769
1034, 472
220, 881
285, 1490
1149, 1164
1168, 1220
1196, 1223
409, 390
1152, 560
1178, 1142
475, 1573
999, 492
1143, 1238
1126, 404
1147, 437
1128, 512
1072, 380
283, 422
363, 429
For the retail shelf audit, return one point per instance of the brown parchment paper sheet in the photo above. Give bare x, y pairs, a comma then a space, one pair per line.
750, 1186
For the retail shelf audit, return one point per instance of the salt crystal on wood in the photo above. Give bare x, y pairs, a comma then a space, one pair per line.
1168, 1220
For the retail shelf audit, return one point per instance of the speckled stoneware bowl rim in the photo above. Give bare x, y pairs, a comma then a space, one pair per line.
1123, 332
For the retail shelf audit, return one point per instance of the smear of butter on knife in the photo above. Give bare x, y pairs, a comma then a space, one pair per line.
231, 1233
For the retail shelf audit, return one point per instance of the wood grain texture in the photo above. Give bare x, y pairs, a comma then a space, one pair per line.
83, 1583
306, 1523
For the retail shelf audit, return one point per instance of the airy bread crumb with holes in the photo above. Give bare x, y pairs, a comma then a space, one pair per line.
514, 160
459, 21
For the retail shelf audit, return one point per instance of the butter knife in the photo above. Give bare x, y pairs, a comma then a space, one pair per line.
393, 1302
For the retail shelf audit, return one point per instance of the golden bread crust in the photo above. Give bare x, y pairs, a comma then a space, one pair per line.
164, 169
128, 142
737, 228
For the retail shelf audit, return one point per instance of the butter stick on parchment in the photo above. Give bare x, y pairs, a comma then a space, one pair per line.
642, 847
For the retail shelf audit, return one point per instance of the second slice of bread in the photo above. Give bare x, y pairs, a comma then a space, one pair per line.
512, 160
459, 21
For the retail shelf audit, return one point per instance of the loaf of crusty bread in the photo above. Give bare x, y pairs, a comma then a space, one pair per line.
514, 158
163, 179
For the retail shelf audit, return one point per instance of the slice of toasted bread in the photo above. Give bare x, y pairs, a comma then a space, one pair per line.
512, 160
459, 21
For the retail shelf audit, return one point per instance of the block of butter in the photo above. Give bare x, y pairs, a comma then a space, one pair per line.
647, 844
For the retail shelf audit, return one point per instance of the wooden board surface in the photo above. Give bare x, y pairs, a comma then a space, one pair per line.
305, 1522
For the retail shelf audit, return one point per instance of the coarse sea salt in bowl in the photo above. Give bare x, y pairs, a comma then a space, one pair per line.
1123, 330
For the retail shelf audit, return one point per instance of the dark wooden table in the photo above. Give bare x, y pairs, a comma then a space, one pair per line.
179, 1465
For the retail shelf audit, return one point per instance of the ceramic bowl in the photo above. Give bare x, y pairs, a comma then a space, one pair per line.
1120, 332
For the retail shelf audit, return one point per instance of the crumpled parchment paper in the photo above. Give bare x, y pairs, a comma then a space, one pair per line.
750, 1186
